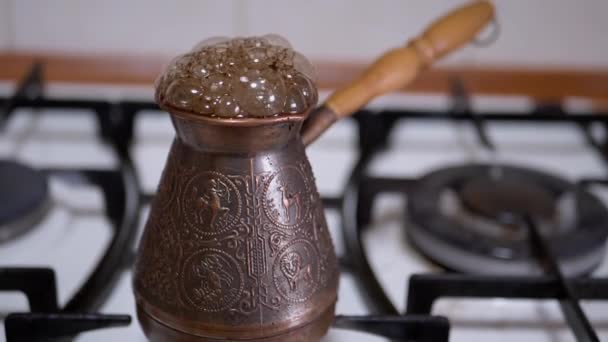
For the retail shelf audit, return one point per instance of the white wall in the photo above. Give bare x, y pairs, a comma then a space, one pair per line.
533, 31
5, 24
138, 26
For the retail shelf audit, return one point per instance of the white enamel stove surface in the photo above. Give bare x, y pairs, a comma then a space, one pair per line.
74, 233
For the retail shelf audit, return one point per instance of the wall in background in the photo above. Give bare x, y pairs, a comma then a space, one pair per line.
6, 25
115, 26
538, 32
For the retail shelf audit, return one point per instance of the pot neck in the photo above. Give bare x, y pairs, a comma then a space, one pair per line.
225, 136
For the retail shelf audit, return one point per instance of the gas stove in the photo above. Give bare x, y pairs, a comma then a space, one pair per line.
462, 221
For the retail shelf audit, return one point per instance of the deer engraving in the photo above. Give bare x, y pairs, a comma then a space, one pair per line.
212, 199
294, 271
289, 199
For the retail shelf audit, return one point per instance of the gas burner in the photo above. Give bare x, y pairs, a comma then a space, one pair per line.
24, 195
468, 218
504, 198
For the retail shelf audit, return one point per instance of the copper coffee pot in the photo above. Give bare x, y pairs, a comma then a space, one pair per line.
236, 246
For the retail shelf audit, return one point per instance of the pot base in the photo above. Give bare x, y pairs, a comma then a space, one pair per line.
158, 332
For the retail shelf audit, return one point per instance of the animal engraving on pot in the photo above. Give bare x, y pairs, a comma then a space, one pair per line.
286, 198
212, 280
290, 198
212, 203
212, 200
296, 271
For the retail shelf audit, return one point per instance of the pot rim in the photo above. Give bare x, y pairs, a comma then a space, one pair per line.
235, 122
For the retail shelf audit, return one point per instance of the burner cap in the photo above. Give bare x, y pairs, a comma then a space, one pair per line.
24, 195
503, 198
483, 235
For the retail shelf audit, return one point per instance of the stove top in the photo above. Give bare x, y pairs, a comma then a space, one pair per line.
449, 223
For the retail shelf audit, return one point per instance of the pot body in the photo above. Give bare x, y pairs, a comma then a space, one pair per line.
236, 246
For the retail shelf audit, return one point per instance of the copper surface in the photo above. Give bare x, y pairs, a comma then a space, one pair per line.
236, 246
313, 331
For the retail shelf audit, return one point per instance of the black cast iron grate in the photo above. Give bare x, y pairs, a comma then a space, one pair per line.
124, 198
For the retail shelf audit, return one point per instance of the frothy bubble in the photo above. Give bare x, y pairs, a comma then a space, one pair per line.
240, 77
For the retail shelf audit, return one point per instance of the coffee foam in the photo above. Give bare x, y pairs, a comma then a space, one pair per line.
241, 77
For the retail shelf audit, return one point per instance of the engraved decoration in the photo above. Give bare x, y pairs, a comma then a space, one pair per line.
159, 271
233, 246
286, 201
212, 280
168, 188
211, 203
296, 271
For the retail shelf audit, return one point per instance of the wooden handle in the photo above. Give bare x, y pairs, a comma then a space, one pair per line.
398, 67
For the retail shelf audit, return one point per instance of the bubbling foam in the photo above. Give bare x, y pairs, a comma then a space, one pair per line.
241, 77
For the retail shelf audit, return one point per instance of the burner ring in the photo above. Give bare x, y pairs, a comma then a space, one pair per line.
24, 194
450, 243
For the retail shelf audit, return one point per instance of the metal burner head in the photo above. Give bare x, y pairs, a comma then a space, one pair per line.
507, 199
24, 195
